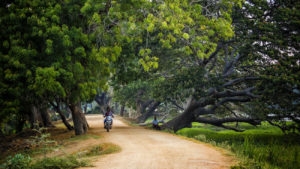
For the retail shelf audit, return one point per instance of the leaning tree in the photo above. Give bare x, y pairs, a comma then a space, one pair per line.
247, 77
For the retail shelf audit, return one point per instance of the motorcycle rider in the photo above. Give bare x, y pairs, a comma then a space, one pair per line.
108, 113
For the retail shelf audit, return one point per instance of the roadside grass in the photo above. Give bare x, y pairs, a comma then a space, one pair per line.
55, 140
262, 147
80, 159
102, 149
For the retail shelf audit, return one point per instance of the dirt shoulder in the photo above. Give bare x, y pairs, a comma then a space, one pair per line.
150, 149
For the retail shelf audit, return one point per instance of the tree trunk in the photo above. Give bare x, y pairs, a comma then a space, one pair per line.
141, 106
35, 118
79, 120
122, 110
20, 123
183, 120
64, 120
103, 101
62, 116
46, 118
139, 109
149, 112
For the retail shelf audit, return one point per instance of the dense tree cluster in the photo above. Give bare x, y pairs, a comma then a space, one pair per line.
50, 55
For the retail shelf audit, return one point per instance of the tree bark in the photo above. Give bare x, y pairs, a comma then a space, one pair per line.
79, 120
149, 112
103, 101
183, 120
191, 112
122, 110
20, 123
46, 118
35, 118
62, 116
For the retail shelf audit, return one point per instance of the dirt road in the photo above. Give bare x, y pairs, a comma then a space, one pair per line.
150, 149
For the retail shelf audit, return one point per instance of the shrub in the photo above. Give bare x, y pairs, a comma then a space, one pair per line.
68, 162
18, 161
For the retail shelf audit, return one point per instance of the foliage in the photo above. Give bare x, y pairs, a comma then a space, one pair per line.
42, 140
251, 69
270, 34
51, 53
68, 162
102, 149
18, 161
133, 91
167, 33
261, 147
219, 55
79, 159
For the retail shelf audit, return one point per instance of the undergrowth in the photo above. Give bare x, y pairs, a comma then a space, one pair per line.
43, 142
24, 161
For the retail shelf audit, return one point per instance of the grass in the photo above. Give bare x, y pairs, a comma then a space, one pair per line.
68, 162
263, 147
56, 138
79, 159
105, 148
76, 160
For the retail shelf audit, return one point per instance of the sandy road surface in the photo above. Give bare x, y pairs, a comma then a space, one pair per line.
150, 149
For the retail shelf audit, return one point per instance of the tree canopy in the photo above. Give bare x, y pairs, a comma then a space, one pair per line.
225, 60
49, 52
215, 61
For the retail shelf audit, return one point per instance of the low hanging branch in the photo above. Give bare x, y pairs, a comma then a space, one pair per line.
253, 121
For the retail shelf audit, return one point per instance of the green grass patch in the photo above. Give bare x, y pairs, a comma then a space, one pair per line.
263, 147
68, 162
80, 159
105, 148
23, 161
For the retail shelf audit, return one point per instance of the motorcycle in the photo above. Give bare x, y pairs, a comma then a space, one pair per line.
108, 123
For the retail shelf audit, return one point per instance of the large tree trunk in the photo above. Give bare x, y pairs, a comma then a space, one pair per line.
46, 118
184, 119
181, 121
79, 120
149, 112
141, 106
35, 118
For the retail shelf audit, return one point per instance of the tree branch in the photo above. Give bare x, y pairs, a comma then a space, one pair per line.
220, 122
176, 105
239, 80
231, 93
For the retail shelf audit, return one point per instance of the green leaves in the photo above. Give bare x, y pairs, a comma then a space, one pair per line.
146, 61
46, 82
49, 46
50, 49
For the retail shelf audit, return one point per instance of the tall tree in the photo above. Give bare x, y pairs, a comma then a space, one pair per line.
57, 50
270, 34
183, 38
242, 79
